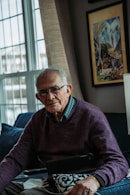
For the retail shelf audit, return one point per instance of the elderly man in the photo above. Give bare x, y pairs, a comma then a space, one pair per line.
66, 126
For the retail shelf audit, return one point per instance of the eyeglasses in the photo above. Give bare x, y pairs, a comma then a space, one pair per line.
54, 90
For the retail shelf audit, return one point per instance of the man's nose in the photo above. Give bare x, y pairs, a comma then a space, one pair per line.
50, 95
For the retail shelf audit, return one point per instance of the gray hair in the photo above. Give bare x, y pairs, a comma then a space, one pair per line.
58, 71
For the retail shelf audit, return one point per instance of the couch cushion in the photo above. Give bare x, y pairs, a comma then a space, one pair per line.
22, 119
118, 123
9, 136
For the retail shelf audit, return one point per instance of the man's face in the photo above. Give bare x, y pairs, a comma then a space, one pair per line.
53, 93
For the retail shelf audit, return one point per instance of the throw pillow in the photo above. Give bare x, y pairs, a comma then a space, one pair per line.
64, 182
59, 184
22, 119
9, 136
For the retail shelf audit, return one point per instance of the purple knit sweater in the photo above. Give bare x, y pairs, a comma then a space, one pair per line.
86, 130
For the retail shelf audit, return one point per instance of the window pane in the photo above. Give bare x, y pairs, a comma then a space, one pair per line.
19, 6
15, 98
15, 7
12, 53
23, 60
7, 33
42, 57
2, 36
12, 7
13, 59
4, 9
36, 4
1, 11
15, 31
39, 29
21, 29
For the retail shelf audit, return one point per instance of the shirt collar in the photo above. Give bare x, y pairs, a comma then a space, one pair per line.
69, 107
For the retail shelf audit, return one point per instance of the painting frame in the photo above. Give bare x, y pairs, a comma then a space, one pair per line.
108, 51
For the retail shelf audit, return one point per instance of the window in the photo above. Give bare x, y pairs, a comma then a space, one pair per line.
22, 56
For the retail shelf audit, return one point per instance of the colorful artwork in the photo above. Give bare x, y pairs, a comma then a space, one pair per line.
108, 50
107, 44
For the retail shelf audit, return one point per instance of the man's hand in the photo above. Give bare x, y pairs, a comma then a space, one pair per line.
86, 186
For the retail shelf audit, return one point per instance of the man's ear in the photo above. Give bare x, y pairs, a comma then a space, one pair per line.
38, 96
69, 88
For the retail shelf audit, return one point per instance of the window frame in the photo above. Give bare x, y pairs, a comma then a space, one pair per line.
31, 72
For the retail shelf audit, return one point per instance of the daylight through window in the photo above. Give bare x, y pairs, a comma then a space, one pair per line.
22, 56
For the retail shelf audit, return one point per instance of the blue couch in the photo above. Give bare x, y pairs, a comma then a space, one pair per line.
10, 134
118, 123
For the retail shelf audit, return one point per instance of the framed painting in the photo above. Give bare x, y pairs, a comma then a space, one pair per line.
108, 44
